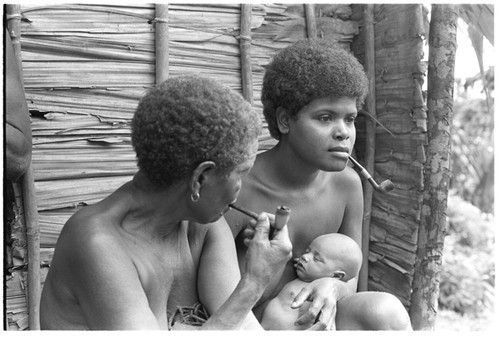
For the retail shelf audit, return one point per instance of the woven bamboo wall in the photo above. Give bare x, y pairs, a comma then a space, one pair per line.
86, 66
400, 153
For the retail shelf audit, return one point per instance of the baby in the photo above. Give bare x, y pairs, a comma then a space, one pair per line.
330, 255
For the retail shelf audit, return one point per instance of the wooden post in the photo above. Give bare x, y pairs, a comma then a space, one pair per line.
310, 21
28, 193
370, 141
161, 38
432, 230
246, 56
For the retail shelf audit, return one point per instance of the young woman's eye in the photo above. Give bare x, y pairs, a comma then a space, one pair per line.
325, 118
351, 119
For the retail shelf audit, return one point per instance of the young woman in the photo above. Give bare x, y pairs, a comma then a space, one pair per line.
311, 93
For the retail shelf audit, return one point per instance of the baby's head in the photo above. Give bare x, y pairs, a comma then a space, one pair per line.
330, 255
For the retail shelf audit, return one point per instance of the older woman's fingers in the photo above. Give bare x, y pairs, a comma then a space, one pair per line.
248, 233
261, 230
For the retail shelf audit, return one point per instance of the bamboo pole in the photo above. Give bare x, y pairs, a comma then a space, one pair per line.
310, 21
28, 194
370, 142
246, 56
161, 38
432, 229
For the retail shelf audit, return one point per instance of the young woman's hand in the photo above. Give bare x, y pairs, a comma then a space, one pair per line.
323, 294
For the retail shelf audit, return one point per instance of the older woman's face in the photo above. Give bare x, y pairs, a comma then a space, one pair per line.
217, 198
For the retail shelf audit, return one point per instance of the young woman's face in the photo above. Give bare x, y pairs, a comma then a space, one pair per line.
226, 188
323, 134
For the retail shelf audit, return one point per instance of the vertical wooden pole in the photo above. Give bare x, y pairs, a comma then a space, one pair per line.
28, 193
161, 39
370, 141
246, 56
310, 21
432, 230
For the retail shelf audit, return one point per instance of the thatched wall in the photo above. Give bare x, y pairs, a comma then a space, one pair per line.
86, 66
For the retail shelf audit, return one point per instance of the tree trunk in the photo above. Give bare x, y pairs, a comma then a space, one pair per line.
442, 51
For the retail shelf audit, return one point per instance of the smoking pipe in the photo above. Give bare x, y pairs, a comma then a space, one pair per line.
280, 219
384, 186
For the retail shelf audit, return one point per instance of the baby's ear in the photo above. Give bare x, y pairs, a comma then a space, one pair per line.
338, 275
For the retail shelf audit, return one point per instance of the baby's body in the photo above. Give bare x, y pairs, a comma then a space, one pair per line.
331, 255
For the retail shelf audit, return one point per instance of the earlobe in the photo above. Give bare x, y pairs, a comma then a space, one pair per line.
283, 120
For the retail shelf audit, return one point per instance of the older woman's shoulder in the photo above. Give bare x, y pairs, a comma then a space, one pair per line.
199, 232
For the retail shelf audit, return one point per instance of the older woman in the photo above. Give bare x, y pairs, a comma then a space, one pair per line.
130, 260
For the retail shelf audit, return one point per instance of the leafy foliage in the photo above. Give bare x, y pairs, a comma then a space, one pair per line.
472, 155
468, 271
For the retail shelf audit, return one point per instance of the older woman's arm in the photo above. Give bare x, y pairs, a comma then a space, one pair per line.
218, 273
219, 284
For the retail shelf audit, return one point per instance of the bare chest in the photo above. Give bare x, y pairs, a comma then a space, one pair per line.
313, 214
168, 272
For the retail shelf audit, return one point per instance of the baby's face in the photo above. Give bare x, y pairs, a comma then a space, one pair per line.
317, 261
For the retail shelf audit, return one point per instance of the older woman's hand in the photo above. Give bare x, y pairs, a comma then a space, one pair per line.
266, 254
249, 230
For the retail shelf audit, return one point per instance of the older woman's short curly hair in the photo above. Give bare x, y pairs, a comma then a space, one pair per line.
187, 120
306, 70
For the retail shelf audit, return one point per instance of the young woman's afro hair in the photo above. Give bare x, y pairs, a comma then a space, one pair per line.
306, 70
